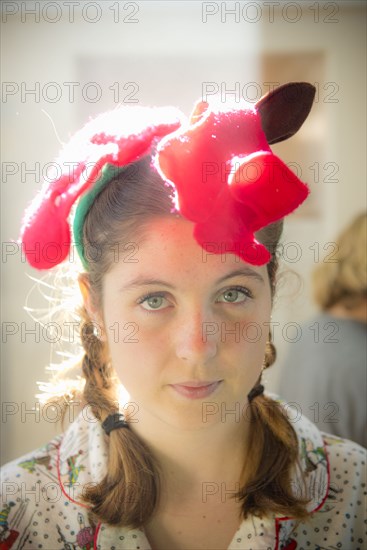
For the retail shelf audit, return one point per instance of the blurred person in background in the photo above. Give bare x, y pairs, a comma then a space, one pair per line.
325, 370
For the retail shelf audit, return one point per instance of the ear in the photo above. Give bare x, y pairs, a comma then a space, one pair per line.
89, 304
284, 110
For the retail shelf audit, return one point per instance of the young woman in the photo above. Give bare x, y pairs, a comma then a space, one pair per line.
176, 445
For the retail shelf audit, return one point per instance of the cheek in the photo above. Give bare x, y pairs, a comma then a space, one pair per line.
251, 336
131, 367
251, 350
255, 334
135, 357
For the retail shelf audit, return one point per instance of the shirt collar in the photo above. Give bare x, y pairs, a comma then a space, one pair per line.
83, 460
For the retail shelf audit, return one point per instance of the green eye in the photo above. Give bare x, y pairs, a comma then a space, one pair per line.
235, 295
231, 295
154, 302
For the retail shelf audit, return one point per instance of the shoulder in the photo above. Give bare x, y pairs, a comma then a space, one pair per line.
27, 483
339, 520
337, 455
326, 462
38, 507
347, 465
31, 466
334, 479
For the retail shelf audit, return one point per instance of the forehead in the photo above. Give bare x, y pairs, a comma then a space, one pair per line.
166, 248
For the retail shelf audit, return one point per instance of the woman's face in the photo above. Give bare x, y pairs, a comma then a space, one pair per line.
186, 329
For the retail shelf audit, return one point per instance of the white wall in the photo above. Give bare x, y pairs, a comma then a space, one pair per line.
169, 53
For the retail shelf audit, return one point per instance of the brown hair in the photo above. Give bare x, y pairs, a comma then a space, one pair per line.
341, 277
129, 493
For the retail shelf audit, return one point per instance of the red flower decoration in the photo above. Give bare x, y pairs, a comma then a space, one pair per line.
127, 135
228, 181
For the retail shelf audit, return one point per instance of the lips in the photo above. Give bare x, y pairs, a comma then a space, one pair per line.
195, 389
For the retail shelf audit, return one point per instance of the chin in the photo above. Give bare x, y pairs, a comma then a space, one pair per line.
188, 422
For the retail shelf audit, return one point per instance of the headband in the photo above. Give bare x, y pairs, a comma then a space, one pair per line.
227, 181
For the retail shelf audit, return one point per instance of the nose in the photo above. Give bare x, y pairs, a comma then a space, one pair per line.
196, 338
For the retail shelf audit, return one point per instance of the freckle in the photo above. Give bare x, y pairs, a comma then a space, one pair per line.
218, 520
204, 517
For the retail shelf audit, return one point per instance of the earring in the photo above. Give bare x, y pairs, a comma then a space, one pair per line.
270, 353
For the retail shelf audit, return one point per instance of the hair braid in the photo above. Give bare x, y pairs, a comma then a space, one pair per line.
269, 482
129, 492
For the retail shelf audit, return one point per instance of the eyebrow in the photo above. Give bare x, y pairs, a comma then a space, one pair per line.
244, 272
144, 281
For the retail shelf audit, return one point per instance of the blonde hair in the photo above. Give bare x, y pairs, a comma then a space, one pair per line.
129, 493
341, 278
